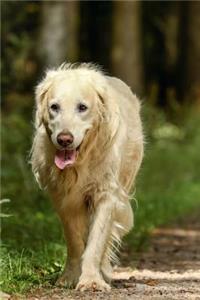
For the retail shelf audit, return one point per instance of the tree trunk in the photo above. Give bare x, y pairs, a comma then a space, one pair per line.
192, 89
59, 33
126, 53
170, 28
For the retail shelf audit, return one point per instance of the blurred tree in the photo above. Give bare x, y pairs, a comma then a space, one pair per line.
59, 32
126, 54
95, 32
19, 68
192, 88
151, 42
161, 28
171, 29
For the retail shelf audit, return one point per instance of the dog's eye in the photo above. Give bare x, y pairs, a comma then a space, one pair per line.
82, 107
55, 107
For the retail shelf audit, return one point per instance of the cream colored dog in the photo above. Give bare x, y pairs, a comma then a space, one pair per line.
87, 150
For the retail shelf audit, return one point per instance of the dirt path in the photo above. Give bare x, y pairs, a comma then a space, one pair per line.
170, 269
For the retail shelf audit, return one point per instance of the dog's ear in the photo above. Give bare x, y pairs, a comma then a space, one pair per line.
108, 110
41, 94
101, 87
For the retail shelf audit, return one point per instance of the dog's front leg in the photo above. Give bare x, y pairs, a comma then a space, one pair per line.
99, 235
75, 230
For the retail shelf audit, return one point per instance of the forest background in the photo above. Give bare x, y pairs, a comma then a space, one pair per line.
155, 48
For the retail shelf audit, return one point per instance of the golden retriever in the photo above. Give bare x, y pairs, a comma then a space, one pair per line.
87, 150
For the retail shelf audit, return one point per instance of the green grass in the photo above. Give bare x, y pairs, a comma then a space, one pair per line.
32, 246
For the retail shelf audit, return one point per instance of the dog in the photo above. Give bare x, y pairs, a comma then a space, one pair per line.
87, 150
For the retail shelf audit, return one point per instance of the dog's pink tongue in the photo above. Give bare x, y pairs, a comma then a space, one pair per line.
64, 158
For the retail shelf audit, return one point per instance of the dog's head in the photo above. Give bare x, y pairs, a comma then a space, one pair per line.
71, 104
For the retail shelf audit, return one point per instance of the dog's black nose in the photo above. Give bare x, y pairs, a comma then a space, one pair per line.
65, 139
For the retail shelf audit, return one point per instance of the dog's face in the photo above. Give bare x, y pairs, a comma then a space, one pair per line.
69, 110
70, 114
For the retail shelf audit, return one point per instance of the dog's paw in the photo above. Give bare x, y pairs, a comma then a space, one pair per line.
92, 283
68, 279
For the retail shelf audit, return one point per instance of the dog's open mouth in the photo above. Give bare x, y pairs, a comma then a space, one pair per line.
65, 158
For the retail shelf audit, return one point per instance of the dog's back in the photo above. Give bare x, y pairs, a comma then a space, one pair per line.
131, 150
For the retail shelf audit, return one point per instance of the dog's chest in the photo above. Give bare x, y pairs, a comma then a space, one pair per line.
76, 187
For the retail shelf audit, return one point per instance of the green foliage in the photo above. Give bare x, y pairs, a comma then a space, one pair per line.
33, 249
32, 243
168, 185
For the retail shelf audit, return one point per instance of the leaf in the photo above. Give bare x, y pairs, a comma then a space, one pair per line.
151, 282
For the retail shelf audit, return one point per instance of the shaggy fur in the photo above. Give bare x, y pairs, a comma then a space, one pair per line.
90, 196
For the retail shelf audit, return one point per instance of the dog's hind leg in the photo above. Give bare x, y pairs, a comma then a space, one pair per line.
121, 226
